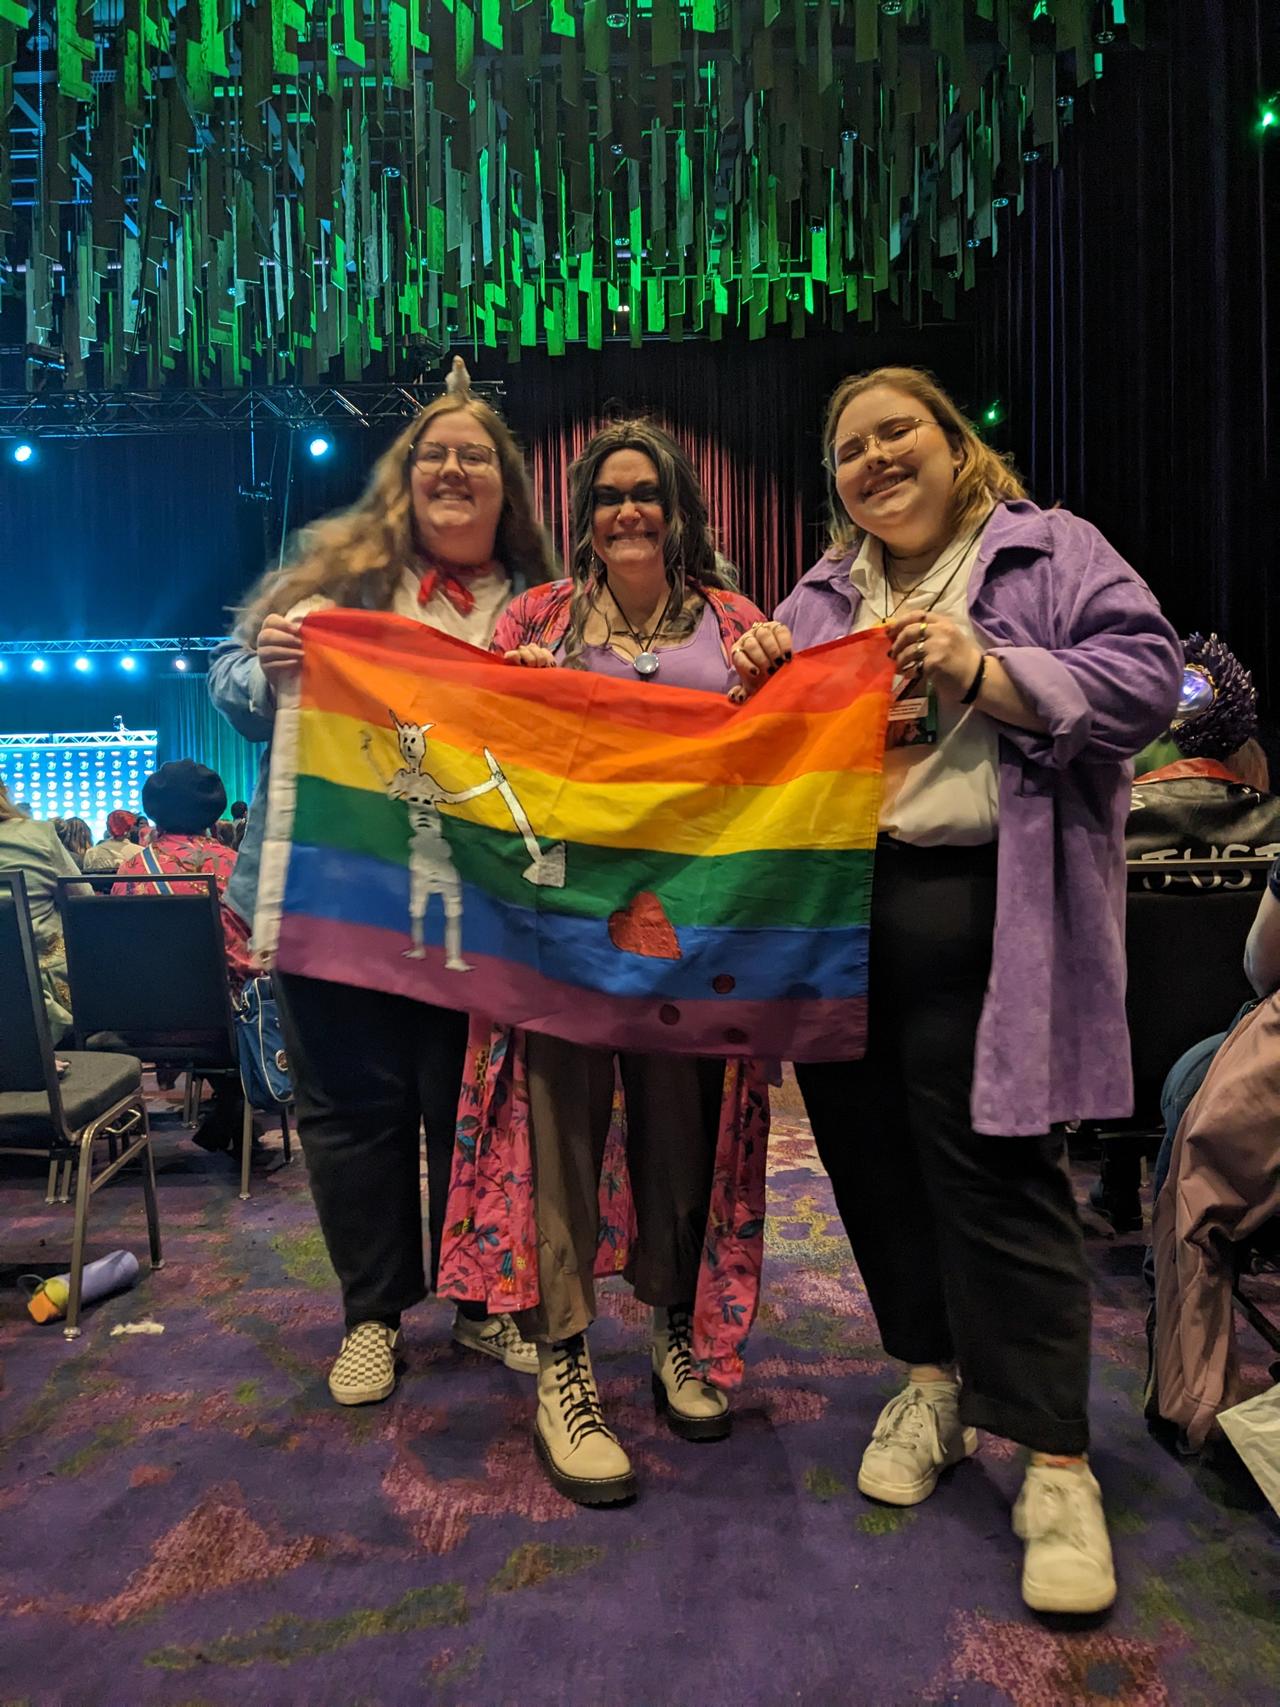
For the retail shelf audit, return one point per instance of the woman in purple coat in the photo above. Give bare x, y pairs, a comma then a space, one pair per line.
1033, 663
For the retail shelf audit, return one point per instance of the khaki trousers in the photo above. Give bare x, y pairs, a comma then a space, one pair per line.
673, 1118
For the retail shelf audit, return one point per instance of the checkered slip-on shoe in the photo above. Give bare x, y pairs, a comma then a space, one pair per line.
497, 1336
367, 1365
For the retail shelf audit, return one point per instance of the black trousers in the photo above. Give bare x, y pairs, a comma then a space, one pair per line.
970, 1246
369, 1070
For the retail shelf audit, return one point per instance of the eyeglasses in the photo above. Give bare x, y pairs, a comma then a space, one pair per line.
432, 454
610, 498
895, 436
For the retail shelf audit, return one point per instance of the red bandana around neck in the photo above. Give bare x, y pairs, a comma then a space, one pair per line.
453, 582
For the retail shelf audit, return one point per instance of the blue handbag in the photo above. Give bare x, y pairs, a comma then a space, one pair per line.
264, 1066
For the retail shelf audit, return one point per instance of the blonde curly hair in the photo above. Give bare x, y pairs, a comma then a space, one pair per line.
984, 477
356, 556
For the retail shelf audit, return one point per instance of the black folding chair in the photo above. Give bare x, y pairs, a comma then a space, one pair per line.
62, 1116
1185, 932
149, 973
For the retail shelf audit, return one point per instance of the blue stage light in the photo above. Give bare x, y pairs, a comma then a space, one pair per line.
82, 664
23, 452
128, 662
180, 663
319, 447
38, 666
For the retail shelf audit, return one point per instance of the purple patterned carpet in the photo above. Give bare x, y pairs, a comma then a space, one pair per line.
186, 1518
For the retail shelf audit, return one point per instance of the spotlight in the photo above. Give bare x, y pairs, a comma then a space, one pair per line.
129, 662
23, 452
993, 414
180, 663
319, 447
4, 667
83, 665
38, 666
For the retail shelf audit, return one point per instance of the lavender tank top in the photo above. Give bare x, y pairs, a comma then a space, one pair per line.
697, 662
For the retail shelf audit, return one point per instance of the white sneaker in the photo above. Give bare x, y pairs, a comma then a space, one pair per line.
497, 1336
917, 1437
366, 1367
1068, 1566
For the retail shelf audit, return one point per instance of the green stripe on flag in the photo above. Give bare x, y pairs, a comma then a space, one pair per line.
799, 888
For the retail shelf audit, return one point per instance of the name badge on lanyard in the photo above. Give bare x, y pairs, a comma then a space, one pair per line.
913, 714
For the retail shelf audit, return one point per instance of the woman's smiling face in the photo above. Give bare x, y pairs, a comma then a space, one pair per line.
628, 527
894, 468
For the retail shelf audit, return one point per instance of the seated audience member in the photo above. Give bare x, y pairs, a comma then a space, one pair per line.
239, 810
76, 836
119, 844
1217, 1180
186, 799
225, 832
34, 849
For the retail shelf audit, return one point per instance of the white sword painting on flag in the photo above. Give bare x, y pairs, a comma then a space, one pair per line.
431, 866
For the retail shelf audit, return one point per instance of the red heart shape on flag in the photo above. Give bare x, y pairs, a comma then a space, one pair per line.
644, 928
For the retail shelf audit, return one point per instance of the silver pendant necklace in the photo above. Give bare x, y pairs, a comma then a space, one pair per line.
646, 661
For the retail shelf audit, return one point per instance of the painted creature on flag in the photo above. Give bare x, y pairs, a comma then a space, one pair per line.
431, 866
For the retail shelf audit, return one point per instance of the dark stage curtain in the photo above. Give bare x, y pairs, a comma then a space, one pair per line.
117, 537
1126, 326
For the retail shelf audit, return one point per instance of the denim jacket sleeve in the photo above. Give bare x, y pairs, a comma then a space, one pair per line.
240, 690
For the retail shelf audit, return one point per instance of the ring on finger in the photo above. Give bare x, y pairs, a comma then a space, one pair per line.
920, 653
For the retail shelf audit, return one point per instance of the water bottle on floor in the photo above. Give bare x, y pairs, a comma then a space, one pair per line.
113, 1273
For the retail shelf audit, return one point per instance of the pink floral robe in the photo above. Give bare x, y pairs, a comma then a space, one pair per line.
490, 1252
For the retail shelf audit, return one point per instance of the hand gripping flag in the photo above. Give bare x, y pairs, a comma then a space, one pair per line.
621, 864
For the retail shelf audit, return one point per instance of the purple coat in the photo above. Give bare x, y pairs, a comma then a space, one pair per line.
1082, 637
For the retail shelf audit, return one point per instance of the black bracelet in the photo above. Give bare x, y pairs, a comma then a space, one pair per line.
975, 686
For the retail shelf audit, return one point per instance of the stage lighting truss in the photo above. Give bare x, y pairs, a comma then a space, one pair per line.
112, 414
186, 646
41, 743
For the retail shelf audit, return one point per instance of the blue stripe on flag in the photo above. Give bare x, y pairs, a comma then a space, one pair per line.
763, 964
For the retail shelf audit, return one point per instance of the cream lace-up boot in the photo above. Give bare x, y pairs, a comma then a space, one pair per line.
581, 1457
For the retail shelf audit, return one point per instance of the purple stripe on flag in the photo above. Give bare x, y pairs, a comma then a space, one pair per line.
806, 1029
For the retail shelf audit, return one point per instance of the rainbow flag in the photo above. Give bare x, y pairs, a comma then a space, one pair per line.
617, 863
